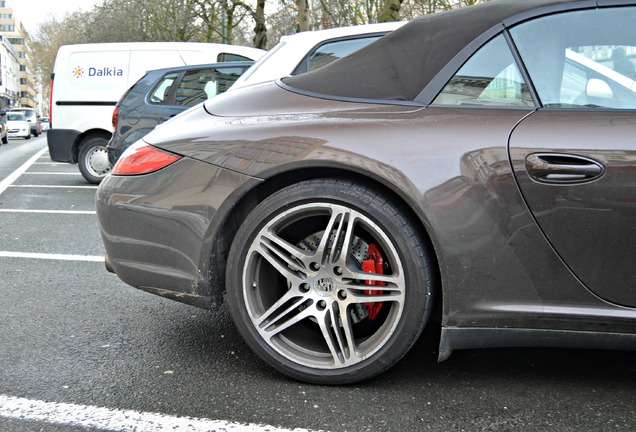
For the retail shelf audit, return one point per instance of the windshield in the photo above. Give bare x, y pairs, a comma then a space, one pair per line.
15, 116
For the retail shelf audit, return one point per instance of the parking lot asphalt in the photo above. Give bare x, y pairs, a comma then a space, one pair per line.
80, 350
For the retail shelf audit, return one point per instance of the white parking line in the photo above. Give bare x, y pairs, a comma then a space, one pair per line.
53, 173
4, 184
52, 187
86, 416
118, 420
66, 212
61, 257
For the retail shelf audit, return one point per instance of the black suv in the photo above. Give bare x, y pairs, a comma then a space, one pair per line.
164, 93
33, 118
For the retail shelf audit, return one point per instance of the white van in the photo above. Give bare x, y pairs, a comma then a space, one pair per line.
89, 79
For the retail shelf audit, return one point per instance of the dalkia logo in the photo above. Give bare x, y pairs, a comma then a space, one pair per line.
78, 72
105, 72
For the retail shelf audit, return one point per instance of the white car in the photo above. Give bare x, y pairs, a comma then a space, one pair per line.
306, 51
18, 127
46, 122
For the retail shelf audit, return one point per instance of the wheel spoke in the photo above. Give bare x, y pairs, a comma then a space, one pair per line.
337, 236
277, 310
374, 298
358, 292
288, 318
338, 334
390, 280
283, 256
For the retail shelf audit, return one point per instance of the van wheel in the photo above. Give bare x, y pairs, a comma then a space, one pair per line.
93, 160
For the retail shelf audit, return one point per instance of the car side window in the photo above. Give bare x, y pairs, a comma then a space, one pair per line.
199, 85
159, 95
489, 78
581, 59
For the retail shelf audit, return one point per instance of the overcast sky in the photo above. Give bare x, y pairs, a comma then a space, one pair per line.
33, 12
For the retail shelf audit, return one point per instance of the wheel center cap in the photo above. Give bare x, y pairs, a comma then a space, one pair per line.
324, 285
99, 161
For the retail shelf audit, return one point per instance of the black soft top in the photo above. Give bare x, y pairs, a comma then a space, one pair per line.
401, 65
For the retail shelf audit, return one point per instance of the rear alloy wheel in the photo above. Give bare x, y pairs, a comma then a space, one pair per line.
93, 160
328, 282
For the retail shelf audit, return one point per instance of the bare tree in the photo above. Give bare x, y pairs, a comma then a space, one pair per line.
304, 23
391, 11
260, 29
421, 7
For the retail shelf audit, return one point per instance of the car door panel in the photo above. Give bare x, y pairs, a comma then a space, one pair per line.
577, 173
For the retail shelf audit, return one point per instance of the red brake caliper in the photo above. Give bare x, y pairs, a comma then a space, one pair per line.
373, 263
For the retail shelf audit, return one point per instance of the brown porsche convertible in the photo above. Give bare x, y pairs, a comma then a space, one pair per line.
474, 170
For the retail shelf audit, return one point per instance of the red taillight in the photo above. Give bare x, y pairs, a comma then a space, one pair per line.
141, 158
115, 118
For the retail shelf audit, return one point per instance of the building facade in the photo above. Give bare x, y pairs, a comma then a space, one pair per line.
9, 74
14, 33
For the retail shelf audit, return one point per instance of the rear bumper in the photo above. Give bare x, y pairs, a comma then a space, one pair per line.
160, 230
61, 144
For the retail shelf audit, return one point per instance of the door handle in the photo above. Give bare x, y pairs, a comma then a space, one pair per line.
558, 168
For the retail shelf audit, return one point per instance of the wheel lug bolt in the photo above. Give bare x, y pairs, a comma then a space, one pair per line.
342, 294
322, 305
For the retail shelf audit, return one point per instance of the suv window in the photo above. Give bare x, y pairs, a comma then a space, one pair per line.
194, 86
581, 59
162, 90
489, 78
197, 86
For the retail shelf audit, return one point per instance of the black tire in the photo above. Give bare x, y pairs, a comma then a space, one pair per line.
28, 136
93, 159
299, 298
